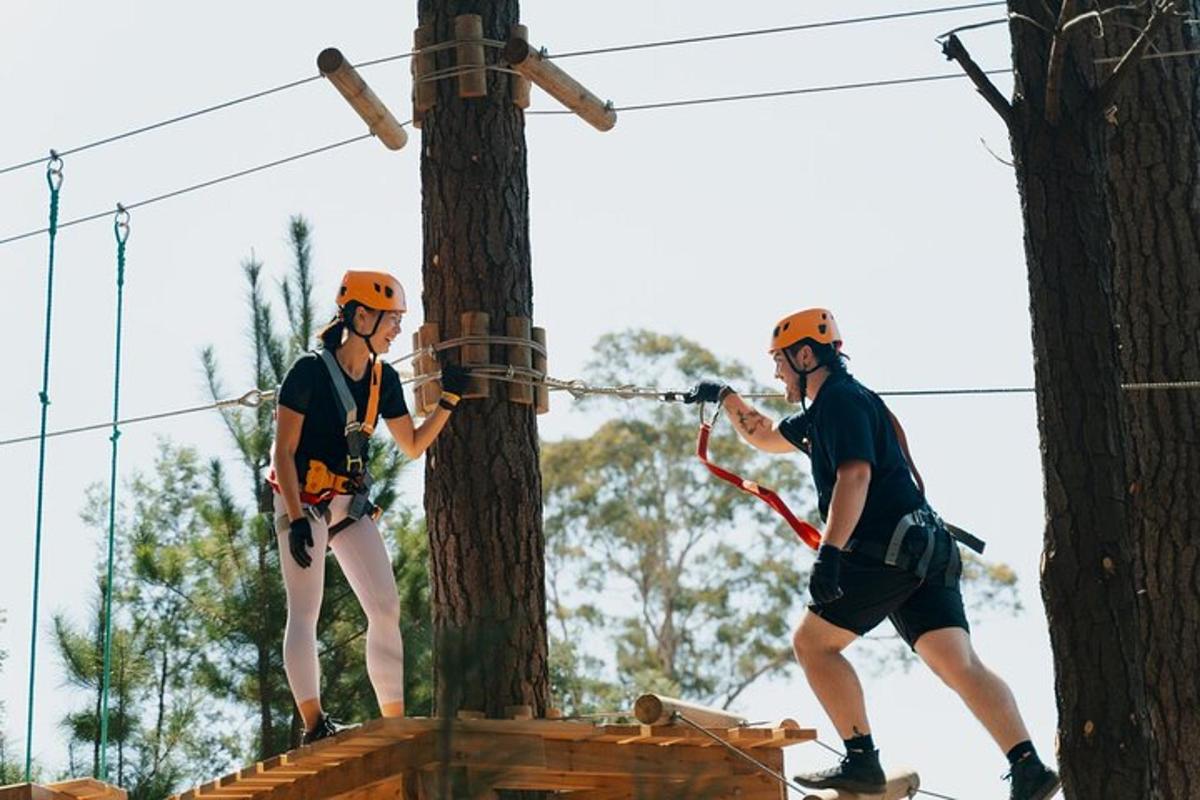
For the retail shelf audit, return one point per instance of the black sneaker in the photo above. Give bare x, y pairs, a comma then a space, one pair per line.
1032, 780
858, 773
324, 728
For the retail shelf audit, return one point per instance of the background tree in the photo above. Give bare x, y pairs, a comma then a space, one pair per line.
1153, 161
482, 482
697, 585
1059, 122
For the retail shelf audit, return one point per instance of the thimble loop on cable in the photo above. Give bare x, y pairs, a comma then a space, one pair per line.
54, 170
121, 224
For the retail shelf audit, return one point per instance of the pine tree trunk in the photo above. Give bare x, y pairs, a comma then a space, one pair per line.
483, 483
1088, 564
1154, 167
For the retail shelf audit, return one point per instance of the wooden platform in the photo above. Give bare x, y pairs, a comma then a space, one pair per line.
431, 759
82, 789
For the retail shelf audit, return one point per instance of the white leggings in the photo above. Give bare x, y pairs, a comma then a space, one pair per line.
363, 558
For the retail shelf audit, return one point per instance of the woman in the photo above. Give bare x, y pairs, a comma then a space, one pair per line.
328, 405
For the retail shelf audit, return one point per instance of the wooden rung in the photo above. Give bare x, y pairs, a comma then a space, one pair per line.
900, 784
345, 78
542, 392
529, 63
520, 356
519, 85
475, 323
424, 92
518, 712
471, 715
468, 32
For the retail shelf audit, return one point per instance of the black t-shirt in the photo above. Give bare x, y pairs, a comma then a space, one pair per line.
849, 422
308, 389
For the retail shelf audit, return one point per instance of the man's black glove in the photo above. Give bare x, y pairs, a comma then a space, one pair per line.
299, 540
823, 585
707, 392
455, 379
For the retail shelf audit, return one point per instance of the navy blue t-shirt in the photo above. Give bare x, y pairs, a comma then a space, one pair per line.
849, 422
308, 389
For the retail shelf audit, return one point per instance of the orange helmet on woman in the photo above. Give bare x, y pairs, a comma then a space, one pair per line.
376, 290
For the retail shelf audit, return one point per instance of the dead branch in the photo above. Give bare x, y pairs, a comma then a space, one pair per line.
953, 49
1058, 56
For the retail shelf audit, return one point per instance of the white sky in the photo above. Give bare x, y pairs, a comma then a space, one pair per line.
711, 222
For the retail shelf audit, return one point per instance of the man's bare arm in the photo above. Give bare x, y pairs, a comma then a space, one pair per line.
756, 428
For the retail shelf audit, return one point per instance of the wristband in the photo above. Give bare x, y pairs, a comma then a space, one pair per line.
447, 404
451, 398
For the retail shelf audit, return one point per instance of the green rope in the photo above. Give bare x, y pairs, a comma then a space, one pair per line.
54, 177
121, 232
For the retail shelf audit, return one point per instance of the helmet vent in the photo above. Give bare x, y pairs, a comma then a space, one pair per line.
378, 288
823, 328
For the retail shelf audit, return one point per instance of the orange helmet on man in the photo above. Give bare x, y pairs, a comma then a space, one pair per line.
817, 324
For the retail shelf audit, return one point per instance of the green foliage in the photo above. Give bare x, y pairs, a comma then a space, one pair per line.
695, 582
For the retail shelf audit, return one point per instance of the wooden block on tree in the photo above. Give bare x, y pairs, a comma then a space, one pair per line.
900, 784
468, 33
476, 323
462, 714
520, 356
518, 712
423, 64
426, 396
542, 392
519, 85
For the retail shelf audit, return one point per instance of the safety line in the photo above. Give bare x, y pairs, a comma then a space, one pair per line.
572, 54
54, 179
782, 29
121, 234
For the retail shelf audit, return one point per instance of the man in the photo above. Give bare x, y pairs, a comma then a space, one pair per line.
884, 554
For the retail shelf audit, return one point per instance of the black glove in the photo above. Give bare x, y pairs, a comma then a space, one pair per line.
299, 540
707, 392
455, 379
826, 574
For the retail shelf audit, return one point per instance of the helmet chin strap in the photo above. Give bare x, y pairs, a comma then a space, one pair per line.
803, 373
349, 323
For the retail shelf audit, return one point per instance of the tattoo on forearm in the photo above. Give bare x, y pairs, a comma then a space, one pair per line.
751, 421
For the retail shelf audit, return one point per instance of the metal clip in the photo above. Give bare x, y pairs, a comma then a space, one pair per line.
54, 170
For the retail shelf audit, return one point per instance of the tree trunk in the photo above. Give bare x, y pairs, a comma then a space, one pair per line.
1088, 565
1154, 185
483, 484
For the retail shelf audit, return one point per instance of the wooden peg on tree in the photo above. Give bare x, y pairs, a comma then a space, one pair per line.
423, 64
426, 395
520, 85
468, 33
334, 66
520, 356
529, 63
540, 366
475, 323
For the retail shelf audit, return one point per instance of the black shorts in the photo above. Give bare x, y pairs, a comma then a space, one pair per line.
874, 591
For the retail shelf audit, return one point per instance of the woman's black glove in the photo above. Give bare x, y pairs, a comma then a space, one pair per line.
455, 379
707, 392
299, 540
823, 585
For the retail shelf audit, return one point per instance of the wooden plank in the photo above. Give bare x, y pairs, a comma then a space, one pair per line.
381, 765
89, 789
640, 761
30, 791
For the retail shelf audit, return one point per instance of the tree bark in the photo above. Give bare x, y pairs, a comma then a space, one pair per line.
483, 495
1088, 564
1153, 155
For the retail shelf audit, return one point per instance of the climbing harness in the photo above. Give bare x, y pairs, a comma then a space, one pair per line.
807, 533
357, 478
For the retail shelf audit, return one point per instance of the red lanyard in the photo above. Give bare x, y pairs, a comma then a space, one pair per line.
807, 533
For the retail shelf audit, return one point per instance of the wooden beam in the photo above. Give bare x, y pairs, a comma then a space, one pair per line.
657, 709
345, 78
529, 63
